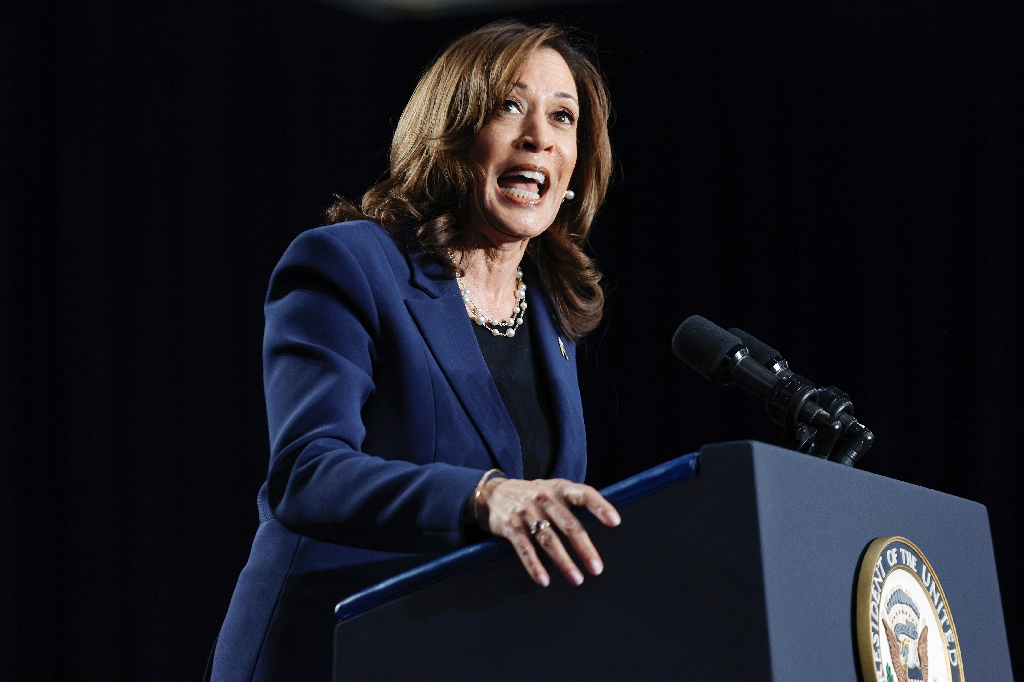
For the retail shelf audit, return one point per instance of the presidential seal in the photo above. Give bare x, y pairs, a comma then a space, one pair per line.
904, 628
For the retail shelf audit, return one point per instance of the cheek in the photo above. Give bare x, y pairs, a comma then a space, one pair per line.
492, 144
482, 152
569, 157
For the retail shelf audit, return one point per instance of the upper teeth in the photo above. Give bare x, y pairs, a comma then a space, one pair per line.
533, 175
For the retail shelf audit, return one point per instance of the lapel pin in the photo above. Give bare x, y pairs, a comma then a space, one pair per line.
562, 348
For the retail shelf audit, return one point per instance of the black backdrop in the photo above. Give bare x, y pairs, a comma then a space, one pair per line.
844, 182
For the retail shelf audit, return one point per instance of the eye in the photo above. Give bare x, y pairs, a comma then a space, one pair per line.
565, 116
512, 106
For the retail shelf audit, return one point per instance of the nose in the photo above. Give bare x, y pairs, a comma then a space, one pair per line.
535, 136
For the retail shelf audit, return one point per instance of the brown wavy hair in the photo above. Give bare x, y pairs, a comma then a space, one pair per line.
431, 181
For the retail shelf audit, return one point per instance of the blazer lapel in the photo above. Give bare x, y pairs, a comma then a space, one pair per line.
443, 322
571, 462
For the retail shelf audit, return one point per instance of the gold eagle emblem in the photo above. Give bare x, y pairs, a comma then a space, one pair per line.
899, 658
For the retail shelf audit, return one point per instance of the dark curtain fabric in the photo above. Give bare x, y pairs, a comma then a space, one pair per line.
844, 182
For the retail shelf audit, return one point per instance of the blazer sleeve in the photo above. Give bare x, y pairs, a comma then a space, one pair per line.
322, 322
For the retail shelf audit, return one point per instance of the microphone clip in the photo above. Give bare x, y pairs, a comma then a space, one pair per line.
830, 431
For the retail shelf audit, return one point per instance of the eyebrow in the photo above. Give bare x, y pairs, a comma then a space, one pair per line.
565, 95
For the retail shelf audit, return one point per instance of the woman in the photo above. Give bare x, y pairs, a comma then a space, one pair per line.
419, 360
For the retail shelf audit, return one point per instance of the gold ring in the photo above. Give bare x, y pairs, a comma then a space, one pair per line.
538, 526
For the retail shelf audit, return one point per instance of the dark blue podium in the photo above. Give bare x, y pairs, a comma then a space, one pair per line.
737, 563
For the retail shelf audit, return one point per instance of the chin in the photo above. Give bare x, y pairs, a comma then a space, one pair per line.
522, 231
519, 221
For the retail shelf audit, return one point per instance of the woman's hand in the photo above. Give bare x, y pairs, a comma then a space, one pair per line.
513, 508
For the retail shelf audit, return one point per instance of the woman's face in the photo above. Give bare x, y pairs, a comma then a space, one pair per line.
526, 152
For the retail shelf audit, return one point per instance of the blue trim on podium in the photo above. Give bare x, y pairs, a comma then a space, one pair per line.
621, 493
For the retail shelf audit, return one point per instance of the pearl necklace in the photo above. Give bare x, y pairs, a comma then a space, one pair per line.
512, 323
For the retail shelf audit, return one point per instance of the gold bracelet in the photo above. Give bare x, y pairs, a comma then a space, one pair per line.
480, 489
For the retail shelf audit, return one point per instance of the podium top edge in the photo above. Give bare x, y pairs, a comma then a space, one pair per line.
628, 490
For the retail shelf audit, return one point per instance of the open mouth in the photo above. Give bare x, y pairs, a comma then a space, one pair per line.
523, 183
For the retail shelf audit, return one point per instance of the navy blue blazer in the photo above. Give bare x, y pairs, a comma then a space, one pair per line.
382, 417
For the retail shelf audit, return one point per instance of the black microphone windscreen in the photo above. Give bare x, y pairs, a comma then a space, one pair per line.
759, 350
703, 345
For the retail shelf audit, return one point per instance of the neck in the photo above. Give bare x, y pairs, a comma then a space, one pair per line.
489, 271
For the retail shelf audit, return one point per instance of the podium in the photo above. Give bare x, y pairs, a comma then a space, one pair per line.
736, 563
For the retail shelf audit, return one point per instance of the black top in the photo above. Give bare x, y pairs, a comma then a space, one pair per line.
518, 374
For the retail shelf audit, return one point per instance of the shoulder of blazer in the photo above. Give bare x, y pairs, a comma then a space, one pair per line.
368, 241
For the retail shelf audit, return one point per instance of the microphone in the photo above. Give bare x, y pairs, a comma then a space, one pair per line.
729, 357
722, 356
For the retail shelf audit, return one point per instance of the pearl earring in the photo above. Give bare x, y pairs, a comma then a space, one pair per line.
570, 195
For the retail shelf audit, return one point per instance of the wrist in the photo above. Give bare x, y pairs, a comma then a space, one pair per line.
483, 507
476, 506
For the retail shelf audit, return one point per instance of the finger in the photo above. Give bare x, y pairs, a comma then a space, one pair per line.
580, 495
571, 527
550, 543
523, 544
